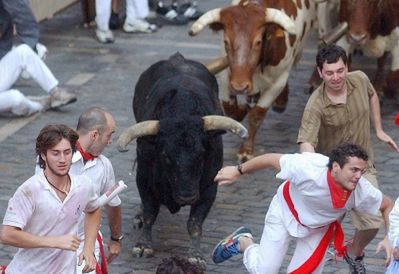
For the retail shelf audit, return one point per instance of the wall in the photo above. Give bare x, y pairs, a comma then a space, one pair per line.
45, 9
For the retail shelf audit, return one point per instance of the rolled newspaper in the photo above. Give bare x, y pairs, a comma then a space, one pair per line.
111, 193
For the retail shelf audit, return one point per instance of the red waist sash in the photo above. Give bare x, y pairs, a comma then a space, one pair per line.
334, 230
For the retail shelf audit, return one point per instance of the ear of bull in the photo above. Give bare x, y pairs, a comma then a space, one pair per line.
207, 18
280, 18
150, 127
215, 122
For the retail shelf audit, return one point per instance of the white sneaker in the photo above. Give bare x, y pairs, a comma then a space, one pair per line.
60, 97
139, 25
105, 36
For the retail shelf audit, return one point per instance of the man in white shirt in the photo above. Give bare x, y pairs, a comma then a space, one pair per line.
317, 192
95, 129
42, 216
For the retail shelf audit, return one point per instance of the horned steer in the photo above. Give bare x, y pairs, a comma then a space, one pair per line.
179, 144
374, 28
262, 40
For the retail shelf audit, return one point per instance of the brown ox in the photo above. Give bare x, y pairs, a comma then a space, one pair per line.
374, 29
262, 40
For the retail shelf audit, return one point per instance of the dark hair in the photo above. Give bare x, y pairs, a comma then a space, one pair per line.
330, 54
178, 265
50, 136
341, 154
92, 118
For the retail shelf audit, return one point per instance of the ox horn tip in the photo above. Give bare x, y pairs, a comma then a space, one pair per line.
242, 132
122, 148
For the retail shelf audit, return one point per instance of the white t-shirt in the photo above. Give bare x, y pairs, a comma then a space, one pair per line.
101, 173
36, 208
310, 194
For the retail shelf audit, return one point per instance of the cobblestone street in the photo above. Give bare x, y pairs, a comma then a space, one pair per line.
105, 76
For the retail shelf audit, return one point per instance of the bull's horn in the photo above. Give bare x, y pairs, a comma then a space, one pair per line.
217, 65
207, 18
280, 18
215, 122
334, 35
150, 127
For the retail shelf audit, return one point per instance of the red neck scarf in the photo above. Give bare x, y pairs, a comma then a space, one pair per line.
86, 156
397, 119
339, 196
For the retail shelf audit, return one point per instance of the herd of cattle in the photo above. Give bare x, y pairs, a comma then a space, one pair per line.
179, 111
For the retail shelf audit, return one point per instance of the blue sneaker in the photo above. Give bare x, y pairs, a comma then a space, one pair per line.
229, 246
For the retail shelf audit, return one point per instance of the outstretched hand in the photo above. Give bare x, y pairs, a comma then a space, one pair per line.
387, 139
227, 175
384, 244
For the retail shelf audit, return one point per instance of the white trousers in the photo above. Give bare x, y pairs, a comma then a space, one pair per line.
268, 256
21, 58
135, 9
13, 102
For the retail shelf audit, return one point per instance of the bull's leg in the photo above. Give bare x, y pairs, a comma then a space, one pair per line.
235, 111
314, 80
255, 118
143, 247
281, 101
198, 213
392, 84
378, 81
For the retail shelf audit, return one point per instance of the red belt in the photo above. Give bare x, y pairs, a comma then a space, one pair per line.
334, 230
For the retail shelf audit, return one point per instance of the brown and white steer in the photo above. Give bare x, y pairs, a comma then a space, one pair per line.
373, 27
262, 40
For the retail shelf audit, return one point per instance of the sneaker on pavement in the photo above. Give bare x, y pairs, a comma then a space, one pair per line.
356, 266
189, 10
60, 97
105, 36
139, 25
229, 246
169, 15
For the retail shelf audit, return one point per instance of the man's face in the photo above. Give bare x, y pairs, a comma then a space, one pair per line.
334, 75
103, 139
348, 176
58, 158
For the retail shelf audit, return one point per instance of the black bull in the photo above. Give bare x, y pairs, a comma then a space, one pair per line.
179, 145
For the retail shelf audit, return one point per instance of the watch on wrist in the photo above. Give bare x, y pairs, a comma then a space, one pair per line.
239, 168
117, 239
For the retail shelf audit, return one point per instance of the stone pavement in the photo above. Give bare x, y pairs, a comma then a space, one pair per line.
105, 75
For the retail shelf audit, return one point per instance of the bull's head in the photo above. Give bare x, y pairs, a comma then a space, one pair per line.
363, 18
182, 146
244, 28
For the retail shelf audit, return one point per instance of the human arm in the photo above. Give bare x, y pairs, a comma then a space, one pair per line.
115, 225
229, 174
385, 208
376, 119
25, 22
306, 147
92, 225
14, 236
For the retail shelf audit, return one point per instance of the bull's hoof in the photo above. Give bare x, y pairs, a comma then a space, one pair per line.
195, 257
198, 261
142, 251
278, 108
